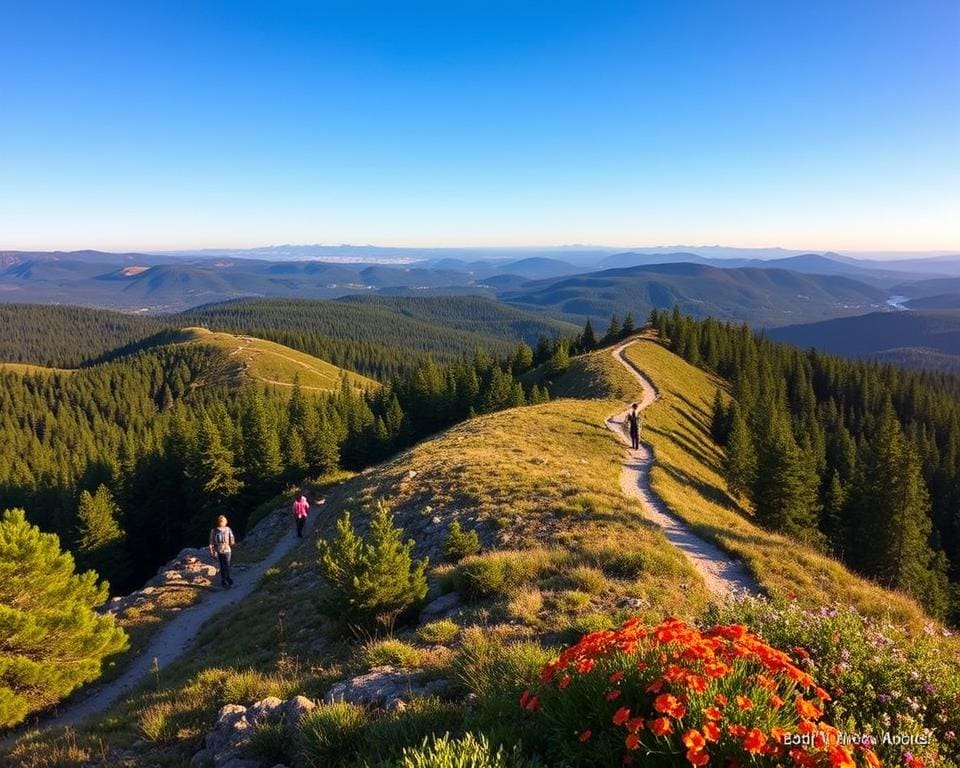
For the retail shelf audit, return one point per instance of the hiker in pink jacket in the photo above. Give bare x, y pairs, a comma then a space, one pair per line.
301, 508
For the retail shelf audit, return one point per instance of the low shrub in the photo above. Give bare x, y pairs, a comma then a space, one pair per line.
615, 560
884, 678
268, 744
525, 605
440, 632
587, 579
386, 737
571, 600
672, 695
591, 622
460, 543
468, 751
395, 652
249, 685
498, 573
330, 735
155, 722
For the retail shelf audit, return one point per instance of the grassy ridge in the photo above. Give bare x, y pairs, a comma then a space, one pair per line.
276, 365
687, 477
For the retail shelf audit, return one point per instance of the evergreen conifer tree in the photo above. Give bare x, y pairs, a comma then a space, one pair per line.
53, 639
740, 460
588, 339
100, 539
371, 581
889, 526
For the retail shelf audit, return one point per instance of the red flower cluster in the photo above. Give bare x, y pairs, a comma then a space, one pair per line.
720, 696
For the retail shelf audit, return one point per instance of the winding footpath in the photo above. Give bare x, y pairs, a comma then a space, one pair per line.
724, 575
170, 642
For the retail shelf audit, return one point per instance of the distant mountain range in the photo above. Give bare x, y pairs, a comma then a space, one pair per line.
786, 289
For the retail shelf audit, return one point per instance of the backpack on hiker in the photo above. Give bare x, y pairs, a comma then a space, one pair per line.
221, 540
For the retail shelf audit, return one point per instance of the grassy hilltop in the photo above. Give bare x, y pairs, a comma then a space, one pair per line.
564, 552
273, 364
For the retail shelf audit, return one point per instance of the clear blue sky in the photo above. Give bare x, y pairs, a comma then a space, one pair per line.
810, 124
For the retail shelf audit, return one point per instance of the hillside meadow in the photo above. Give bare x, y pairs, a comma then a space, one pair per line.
562, 554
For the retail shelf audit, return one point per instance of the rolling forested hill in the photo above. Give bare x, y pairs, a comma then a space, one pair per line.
918, 339
762, 297
384, 335
68, 337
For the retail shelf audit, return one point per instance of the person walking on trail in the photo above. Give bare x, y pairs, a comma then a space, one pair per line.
301, 508
633, 422
221, 545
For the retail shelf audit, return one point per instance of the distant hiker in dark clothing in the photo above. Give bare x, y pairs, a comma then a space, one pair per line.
633, 421
221, 544
301, 508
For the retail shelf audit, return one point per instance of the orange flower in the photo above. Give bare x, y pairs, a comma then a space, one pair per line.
915, 762
669, 704
720, 700
711, 731
743, 702
585, 665
564, 682
546, 675
697, 757
585, 736
776, 702
716, 669
778, 734
696, 683
713, 713
621, 716
613, 695
822, 694
616, 677
631, 742
754, 741
635, 724
661, 726
807, 708
693, 739
737, 731
872, 760
841, 758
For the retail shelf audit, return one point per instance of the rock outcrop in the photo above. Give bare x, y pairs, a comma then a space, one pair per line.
384, 687
224, 746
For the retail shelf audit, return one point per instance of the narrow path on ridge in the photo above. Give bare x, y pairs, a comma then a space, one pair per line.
724, 575
170, 642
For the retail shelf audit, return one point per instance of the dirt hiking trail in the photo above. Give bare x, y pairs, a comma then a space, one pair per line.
170, 641
724, 575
